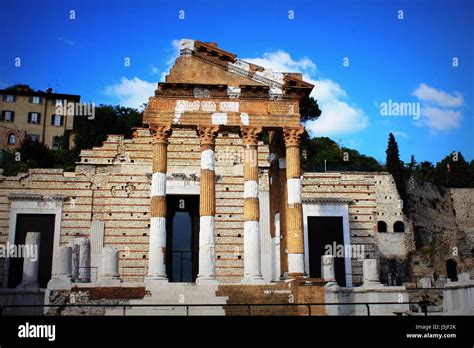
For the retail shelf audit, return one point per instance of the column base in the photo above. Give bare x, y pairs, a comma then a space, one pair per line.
152, 282
206, 281
28, 286
372, 285
253, 280
109, 282
60, 284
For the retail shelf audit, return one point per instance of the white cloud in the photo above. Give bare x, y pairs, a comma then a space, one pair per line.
131, 93
432, 95
154, 70
400, 134
174, 53
66, 41
439, 109
439, 119
338, 116
281, 61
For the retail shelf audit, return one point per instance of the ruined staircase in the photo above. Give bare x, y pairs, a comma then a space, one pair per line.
172, 294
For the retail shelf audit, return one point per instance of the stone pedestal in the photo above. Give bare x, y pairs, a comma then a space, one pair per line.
327, 268
371, 274
109, 270
31, 262
62, 279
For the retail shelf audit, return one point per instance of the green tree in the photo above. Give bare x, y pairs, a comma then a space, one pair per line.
309, 109
319, 149
395, 167
36, 154
424, 171
458, 174
108, 120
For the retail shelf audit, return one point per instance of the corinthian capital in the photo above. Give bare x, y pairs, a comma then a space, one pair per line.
292, 135
207, 135
250, 134
161, 132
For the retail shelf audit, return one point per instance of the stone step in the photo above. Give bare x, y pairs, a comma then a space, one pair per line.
164, 300
168, 310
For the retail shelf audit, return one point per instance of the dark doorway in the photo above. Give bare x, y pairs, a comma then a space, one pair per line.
43, 223
182, 237
452, 270
326, 231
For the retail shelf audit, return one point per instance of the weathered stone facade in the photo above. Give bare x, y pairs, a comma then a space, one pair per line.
201, 138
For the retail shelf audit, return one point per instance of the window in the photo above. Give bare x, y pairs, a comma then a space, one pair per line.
33, 137
8, 116
57, 120
381, 226
398, 227
36, 100
9, 98
11, 139
56, 144
34, 117
58, 102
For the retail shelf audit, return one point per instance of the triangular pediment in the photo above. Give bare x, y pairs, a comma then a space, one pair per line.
205, 63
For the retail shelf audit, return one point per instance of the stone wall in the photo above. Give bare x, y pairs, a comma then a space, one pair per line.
112, 184
463, 205
438, 236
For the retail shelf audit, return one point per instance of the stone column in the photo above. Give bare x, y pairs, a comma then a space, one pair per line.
252, 251
62, 278
275, 197
84, 261
31, 261
295, 209
109, 268
157, 244
283, 208
207, 206
371, 273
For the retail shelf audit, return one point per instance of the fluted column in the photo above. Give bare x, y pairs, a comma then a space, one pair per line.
252, 256
295, 210
283, 203
275, 198
207, 206
157, 243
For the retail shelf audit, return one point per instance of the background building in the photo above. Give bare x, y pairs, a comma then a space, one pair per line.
33, 114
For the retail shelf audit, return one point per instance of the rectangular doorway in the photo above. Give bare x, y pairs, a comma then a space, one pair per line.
182, 237
43, 223
324, 231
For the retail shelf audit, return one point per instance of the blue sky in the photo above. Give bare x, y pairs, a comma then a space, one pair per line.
405, 60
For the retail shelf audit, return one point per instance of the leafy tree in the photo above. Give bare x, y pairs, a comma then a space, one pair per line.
316, 150
424, 171
108, 120
36, 154
309, 109
458, 175
395, 167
